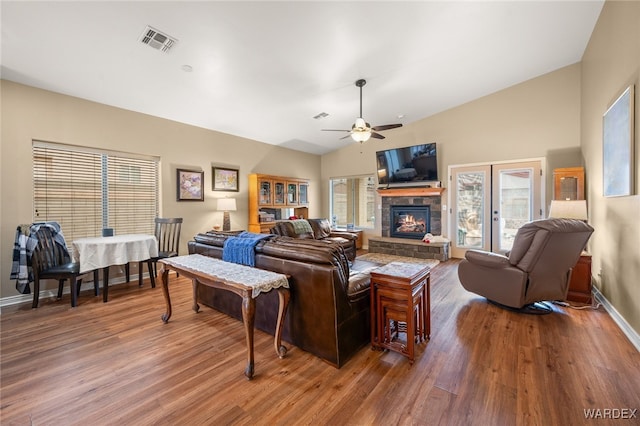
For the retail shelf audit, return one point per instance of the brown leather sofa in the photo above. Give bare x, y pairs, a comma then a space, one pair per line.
319, 229
538, 267
329, 312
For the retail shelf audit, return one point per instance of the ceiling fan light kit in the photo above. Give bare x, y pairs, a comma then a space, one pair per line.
361, 131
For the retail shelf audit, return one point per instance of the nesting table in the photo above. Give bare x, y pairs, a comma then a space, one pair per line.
400, 303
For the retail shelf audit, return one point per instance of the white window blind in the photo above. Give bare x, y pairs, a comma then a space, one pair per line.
132, 195
86, 190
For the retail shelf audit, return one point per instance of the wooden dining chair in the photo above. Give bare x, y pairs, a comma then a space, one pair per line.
167, 232
168, 235
50, 260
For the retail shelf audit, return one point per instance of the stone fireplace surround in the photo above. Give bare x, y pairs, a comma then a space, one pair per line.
431, 197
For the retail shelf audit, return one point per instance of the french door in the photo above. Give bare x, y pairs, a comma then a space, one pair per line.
490, 202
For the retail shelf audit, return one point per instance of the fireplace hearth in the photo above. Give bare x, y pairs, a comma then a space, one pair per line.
410, 221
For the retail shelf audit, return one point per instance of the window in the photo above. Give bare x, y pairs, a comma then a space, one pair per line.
86, 190
353, 201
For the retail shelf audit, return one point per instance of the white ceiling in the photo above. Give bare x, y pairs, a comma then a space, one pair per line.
262, 70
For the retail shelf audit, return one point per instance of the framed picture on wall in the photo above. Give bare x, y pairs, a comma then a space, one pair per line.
189, 184
225, 179
618, 146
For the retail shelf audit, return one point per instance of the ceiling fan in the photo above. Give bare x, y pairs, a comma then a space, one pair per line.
361, 131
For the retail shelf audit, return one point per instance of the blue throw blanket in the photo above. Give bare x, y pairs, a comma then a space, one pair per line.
241, 248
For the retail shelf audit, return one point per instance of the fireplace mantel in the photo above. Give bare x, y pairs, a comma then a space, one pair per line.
411, 192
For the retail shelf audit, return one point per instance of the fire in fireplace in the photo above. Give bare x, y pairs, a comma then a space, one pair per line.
410, 221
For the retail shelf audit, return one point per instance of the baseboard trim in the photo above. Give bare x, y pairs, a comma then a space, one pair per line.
628, 331
24, 298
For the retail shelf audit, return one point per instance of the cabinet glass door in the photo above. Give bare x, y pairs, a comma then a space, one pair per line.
302, 193
278, 193
292, 193
264, 197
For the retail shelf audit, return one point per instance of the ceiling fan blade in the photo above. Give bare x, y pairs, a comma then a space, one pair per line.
335, 130
345, 137
386, 127
376, 135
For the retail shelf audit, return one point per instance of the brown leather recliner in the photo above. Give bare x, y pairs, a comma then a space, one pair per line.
320, 229
537, 268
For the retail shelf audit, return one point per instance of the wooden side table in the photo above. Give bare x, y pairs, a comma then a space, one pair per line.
580, 284
400, 302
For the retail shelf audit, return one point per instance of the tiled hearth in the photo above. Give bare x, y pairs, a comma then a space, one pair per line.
431, 197
409, 248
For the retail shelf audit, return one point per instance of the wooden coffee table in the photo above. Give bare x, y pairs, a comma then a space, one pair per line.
245, 281
400, 302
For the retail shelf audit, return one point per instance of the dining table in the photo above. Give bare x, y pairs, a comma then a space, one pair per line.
102, 252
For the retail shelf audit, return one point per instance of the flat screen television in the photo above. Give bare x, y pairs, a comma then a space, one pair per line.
408, 166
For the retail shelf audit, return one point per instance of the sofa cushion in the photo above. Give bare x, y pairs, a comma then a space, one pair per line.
294, 228
321, 228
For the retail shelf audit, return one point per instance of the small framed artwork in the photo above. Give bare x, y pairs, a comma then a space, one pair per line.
617, 149
225, 179
189, 183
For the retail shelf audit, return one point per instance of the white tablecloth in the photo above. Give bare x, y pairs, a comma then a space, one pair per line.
100, 252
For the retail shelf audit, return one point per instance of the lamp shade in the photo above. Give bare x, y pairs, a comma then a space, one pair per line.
227, 204
569, 209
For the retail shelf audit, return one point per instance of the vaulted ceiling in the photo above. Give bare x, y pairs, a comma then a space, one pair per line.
263, 70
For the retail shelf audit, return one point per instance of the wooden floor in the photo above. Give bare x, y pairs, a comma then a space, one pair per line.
117, 363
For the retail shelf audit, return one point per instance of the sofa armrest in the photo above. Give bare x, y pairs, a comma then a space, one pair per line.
344, 234
487, 259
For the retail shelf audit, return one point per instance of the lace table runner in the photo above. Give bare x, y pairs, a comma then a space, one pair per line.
259, 280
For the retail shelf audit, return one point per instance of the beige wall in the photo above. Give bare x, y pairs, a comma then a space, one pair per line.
557, 116
611, 63
29, 113
534, 119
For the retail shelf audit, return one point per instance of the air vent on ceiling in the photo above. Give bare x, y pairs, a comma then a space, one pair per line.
157, 39
321, 115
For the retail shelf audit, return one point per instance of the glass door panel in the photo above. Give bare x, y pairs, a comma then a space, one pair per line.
472, 186
516, 201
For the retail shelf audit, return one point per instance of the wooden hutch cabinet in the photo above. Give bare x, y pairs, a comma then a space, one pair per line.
271, 193
568, 183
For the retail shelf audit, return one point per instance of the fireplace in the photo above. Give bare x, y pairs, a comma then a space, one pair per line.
406, 199
410, 221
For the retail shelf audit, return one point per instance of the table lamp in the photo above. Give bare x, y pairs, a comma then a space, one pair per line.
226, 205
569, 209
